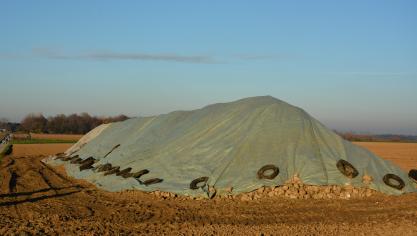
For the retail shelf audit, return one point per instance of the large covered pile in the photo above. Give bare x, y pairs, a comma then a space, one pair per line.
227, 149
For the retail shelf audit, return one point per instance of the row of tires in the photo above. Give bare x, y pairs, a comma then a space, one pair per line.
266, 172
392, 180
347, 169
108, 169
6, 139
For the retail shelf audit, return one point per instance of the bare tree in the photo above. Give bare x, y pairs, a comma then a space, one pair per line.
34, 123
78, 124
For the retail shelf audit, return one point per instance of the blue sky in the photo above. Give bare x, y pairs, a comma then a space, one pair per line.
351, 64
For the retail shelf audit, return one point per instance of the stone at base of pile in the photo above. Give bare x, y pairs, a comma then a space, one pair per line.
293, 189
301, 191
289, 190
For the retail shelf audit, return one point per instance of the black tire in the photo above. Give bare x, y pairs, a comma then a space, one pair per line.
9, 150
69, 158
347, 169
261, 172
72, 153
194, 183
113, 170
87, 160
152, 181
138, 174
399, 185
87, 165
126, 175
105, 167
413, 174
76, 160
124, 171
60, 156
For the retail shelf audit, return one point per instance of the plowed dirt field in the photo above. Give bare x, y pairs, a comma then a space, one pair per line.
37, 199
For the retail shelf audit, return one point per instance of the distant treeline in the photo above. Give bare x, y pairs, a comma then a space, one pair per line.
377, 138
60, 124
9, 126
83, 123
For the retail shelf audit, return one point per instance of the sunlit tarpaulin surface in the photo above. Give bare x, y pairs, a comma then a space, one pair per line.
228, 143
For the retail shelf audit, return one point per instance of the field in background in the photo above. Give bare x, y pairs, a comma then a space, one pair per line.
21, 138
68, 137
40, 141
402, 154
72, 137
39, 149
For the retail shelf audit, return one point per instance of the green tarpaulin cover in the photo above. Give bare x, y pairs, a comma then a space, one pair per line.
228, 143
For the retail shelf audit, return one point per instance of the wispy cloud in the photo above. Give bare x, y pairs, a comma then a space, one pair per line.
53, 54
265, 56
107, 56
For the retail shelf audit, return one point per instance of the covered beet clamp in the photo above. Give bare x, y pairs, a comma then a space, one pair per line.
242, 145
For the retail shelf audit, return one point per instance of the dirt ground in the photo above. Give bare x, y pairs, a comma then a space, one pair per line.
37, 199
21, 150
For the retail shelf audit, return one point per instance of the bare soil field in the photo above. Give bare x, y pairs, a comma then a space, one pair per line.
58, 136
21, 150
402, 154
69, 137
38, 199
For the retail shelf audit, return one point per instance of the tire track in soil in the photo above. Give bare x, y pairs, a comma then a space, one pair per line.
7, 163
62, 183
12, 181
23, 186
55, 172
11, 177
47, 181
54, 179
31, 185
